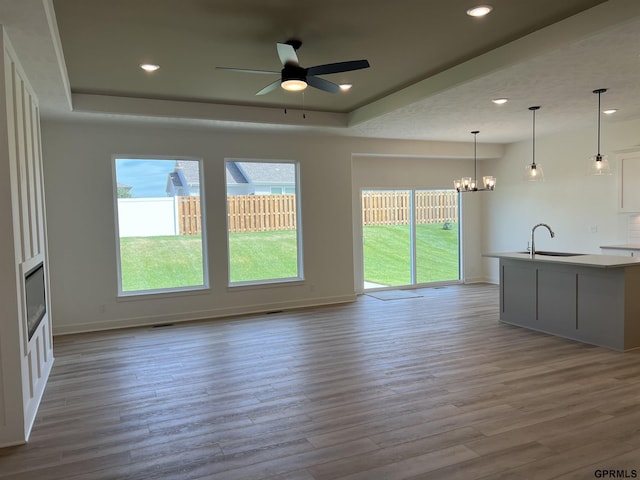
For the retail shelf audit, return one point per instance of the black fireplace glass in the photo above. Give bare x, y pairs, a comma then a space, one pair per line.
35, 297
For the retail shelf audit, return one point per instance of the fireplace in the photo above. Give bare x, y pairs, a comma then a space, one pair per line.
35, 298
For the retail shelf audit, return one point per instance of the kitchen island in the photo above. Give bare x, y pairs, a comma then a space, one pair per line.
590, 298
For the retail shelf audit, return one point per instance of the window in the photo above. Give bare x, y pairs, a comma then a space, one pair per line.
409, 237
263, 226
160, 234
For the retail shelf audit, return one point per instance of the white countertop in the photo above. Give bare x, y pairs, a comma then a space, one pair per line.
625, 246
591, 260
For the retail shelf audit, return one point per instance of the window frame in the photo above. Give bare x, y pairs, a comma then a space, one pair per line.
299, 242
170, 291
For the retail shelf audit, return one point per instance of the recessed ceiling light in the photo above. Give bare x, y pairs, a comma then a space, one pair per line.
345, 87
500, 101
149, 67
610, 111
479, 11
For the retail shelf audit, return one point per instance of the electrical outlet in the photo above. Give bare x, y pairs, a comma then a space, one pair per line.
593, 228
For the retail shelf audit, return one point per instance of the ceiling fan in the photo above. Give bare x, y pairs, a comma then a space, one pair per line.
295, 78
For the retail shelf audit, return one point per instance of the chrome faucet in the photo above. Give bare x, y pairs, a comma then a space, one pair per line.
532, 252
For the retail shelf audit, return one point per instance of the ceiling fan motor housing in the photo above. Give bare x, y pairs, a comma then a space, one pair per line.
294, 72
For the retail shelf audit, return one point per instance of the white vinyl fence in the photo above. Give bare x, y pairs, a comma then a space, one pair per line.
148, 217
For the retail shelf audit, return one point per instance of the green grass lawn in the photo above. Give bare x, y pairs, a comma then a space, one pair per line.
387, 254
263, 255
150, 263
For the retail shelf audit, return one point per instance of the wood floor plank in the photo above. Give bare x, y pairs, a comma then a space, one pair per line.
418, 466
429, 387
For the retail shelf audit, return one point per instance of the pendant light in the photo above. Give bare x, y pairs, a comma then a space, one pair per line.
533, 171
469, 184
598, 163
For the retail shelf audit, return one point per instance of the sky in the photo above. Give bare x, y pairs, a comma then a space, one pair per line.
148, 178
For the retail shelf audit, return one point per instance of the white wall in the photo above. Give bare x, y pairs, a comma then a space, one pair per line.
83, 264
83, 270
582, 210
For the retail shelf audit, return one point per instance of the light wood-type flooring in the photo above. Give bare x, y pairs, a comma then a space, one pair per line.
419, 388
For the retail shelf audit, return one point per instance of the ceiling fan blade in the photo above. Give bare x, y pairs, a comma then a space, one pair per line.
247, 70
323, 84
287, 54
270, 88
338, 67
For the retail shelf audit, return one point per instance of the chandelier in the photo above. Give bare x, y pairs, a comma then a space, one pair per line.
469, 184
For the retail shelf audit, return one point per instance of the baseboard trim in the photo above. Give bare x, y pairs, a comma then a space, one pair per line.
151, 320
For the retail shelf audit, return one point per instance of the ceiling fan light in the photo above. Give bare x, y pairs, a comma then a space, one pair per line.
294, 85
345, 87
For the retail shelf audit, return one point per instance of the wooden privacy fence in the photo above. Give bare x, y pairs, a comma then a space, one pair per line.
260, 213
189, 217
393, 208
246, 213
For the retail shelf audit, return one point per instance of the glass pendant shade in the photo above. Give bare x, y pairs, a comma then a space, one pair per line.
598, 163
489, 182
533, 171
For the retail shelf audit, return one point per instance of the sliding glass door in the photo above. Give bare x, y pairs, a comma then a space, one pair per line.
386, 220
437, 244
410, 237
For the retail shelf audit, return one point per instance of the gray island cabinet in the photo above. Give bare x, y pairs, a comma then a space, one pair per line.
590, 298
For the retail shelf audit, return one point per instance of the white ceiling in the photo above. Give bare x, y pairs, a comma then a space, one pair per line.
434, 70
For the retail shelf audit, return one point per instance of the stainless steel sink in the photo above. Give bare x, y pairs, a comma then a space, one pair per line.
554, 254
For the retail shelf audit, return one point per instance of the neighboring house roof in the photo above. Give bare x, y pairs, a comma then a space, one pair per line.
238, 173
124, 186
235, 175
175, 179
190, 170
185, 178
272, 173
